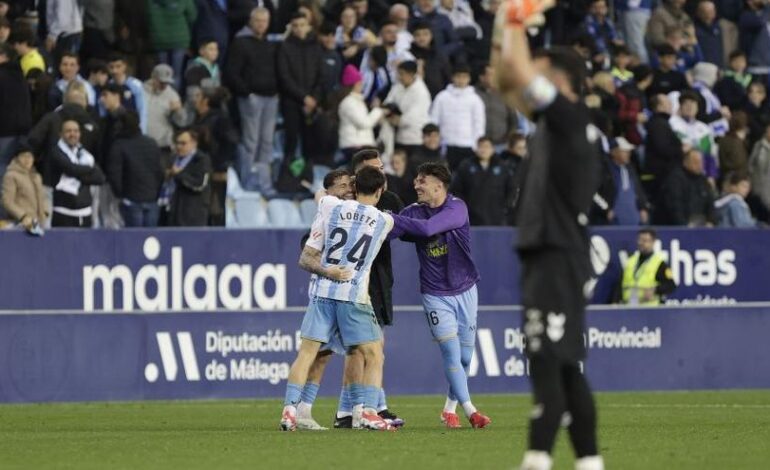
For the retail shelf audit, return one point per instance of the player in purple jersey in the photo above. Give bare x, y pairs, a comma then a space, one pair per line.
439, 227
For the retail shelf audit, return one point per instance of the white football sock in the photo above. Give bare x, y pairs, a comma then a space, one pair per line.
593, 462
536, 460
305, 410
450, 406
468, 408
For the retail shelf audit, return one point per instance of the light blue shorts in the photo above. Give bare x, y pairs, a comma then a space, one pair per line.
453, 315
335, 344
355, 323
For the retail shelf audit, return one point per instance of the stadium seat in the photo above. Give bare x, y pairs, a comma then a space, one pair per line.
308, 209
244, 209
284, 213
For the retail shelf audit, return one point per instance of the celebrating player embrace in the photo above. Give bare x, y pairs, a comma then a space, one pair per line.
343, 243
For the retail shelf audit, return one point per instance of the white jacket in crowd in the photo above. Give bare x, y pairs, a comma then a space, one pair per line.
357, 122
414, 104
459, 114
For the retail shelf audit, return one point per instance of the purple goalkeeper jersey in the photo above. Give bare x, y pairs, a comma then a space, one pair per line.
442, 236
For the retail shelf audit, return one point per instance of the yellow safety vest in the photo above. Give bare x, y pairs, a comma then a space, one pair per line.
636, 280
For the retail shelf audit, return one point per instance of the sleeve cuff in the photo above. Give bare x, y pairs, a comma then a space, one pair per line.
540, 93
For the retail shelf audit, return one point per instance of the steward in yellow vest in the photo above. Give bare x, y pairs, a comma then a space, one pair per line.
646, 277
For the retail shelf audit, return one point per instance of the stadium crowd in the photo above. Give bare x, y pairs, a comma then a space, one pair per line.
163, 112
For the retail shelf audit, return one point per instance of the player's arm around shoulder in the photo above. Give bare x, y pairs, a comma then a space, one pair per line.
310, 261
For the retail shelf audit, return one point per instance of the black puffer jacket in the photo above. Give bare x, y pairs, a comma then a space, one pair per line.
251, 66
16, 118
134, 168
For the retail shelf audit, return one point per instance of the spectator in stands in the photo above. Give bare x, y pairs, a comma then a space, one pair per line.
252, 75
132, 91
185, 193
331, 62
376, 76
758, 108
630, 202
696, 134
64, 21
731, 89
632, 101
633, 16
212, 24
23, 198
401, 180
687, 196
759, 168
219, 139
356, 121
170, 23
98, 76
408, 106
603, 103
709, 33
755, 36
433, 65
460, 15
69, 68
5, 30
459, 113
399, 15
16, 117
444, 36
74, 170
733, 148
668, 14
23, 41
46, 133
688, 52
135, 173
110, 100
429, 151
98, 28
299, 72
663, 149
647, 279
500, 117
666, 76
599, 26
620, 70
352, 39
485, 183
710, 109
203, 71
388, 40
164, 106
731, 209
515, 151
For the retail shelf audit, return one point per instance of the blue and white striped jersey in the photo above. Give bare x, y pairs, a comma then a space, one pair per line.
347, 233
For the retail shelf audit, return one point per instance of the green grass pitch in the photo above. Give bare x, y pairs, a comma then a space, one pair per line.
681, 430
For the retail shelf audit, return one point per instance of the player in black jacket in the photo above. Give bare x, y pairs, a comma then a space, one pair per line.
553, 235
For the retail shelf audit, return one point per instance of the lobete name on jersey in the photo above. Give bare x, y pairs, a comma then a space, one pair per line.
356, 217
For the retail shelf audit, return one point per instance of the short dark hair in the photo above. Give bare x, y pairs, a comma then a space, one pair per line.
327, 28
116, 57
216, 96
649, 231
567, 60
461, 67
665, 49
429, 128
379, 55
22, 35
297, 15
737, 53
66, 120
113, 88
688, 95
369, 180
192, 132
408, 66
129, 122
331, 178
437, 170
515, 137
421, 24
97, 66
734, 177
69, 54
483, 138
205, 41
362, 156
622, 49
